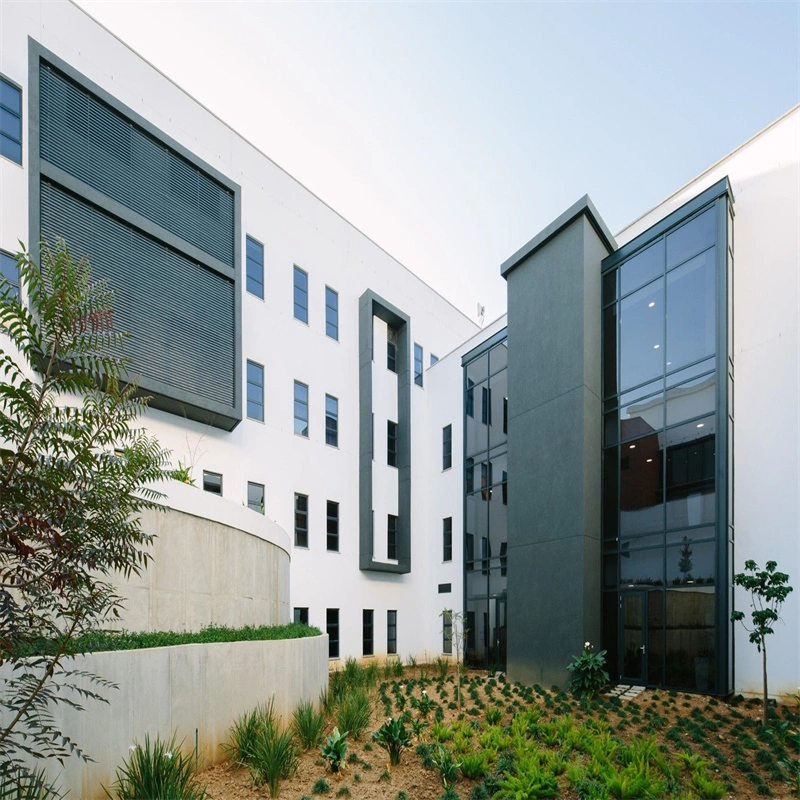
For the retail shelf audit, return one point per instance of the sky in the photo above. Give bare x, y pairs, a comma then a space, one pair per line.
451, 133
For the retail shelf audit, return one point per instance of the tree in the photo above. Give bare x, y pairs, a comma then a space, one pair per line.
685, 562
456, 622
768, 589
75, 476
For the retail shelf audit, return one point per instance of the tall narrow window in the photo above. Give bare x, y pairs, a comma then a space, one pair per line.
10, 121
333, 526
391, 356
300, 409
505, 415
255, 391
255, 268
486, 554
469, 474
486, 406
391, 537
300, 295
331, 421
255, 497
418, 364
301, 520
447, 447
331, 313
503, 558
447, 633
212, 482
505, 488
367, 632
447, 539
9, 272
391, 632
470, 402
391, 443
301, 614
332, 629
469, 556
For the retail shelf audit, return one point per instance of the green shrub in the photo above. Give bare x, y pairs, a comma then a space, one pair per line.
157, 771
589, 673
27, 786
706, 787
275, 757
343, 791
321, 787
245, 732
393, 737
479, 792
474, 766
308, 724
354, 712
449, 794
335, 749
494, 715
446, 765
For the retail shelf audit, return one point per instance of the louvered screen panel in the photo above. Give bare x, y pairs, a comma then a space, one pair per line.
179, 314
102, 148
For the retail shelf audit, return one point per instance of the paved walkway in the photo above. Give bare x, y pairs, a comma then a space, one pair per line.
625, 691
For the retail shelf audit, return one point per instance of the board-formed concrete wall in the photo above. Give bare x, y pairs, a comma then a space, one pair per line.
214, 562
185, 689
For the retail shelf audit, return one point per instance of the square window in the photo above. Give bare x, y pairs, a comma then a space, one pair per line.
255, 268
367, 634
255, 391
301, 614
10, 121
333, 527
391, 538
212, 482
301, 520
331, 313
418, 364
391, 632
301, 409
447, 539
391, 443
332, 629
300, 295
447, 447
255, 497
9, 272
331, 421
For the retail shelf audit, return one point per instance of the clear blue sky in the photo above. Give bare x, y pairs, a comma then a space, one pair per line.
451, 133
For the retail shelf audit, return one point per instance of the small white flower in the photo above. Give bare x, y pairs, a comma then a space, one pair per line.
131, 748
424, 692
167, 754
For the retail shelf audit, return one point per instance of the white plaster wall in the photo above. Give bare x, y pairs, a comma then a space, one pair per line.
765, 177
296, 228
192, 688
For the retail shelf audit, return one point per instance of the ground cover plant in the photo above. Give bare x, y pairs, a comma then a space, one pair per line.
529, 741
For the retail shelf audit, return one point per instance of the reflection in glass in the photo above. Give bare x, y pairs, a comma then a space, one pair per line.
690, 467
610, 486
633, 633
498, 358
641, 567
609, 287
643, 415
610, 351
642, 268
690, 638
478, 369
641, 334
690, 372
691, 295
691, 563
692, 399
691, 238
640, 497
655, 637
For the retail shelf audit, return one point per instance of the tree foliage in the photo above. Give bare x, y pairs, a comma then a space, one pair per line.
75, 475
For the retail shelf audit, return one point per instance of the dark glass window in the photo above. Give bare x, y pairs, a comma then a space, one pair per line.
255, 268
300, 409
9, 272
469, 556
391, 632
505, 488
301, 614
331, 313
331, 421
445, 588
332, 629
447, 447
255, 391
447, 633
505, 415
486, 554
486, 406
641, 335
255, 496
300, 295
391, 356
418, 364
301, 520
10, 121
503, 558
690, 474
391, 443
469, 475
212, 482
470, 403
391, 538
447, 539
367, 632
333, 526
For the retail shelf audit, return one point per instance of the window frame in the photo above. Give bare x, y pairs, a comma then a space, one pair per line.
447, 539
391, 632
6, 135
332, 422
391, 537
302, 616
419, 357
303, 308
248, 277
368, 632
331, 311
391, 443
15, 285
260, 387
299, 530
447, 633
391, 356
301, 385
332, 629
447, 447
262, 505
209, 474
332, 526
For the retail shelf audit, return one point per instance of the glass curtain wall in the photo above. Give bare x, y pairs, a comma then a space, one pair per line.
485, 505
666, 382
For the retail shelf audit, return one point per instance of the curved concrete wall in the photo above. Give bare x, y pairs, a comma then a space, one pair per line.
183, 689
213, 562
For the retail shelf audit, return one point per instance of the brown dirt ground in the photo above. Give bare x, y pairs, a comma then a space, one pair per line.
224, 783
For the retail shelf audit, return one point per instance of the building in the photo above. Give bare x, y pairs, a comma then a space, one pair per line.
592, 466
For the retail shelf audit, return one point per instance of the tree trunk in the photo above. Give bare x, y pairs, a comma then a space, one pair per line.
764, 666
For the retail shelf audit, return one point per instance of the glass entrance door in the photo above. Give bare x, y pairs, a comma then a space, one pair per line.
633, 637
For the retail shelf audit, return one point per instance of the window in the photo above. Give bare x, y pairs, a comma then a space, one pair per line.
447, 447
505, 415
391, 443
301, 520
301, 409
486, 406
434, 359
418, 364
367, 637
470, 398
445, 588
391, 632
255, 268
486, 554
255, 496
301, 614
505, 488
391, 537
333, 526
447, 632
470, 554
469, 476
447, 539
332, 629
503, 558
486, 480
391, 356
331, 313
10, 121
300, 295
331, 421
255, 391
9, 271
212, 482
